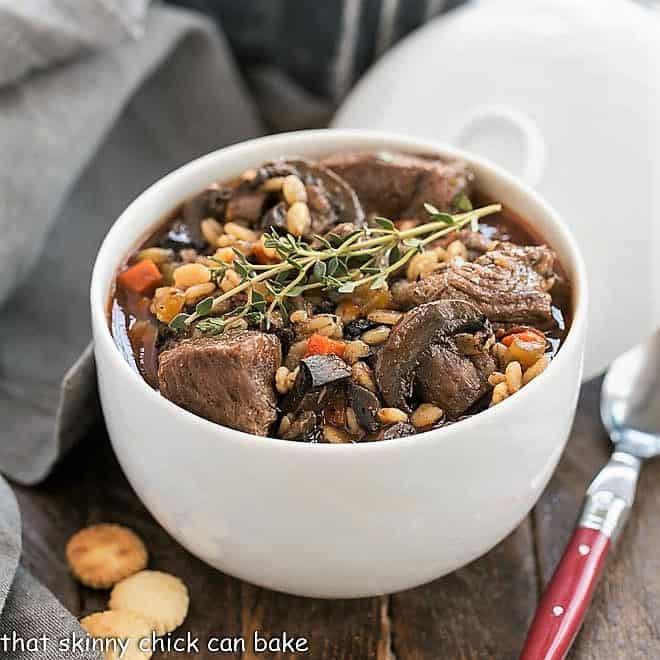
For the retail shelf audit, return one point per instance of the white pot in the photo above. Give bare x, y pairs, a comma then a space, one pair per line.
335, 520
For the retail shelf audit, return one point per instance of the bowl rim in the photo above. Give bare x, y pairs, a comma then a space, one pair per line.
100, 289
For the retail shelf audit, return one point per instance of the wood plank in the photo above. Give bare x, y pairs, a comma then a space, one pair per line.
89, 487
477, 612
335, 629
623, 622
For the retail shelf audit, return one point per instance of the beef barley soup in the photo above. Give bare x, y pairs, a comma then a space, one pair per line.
361, 297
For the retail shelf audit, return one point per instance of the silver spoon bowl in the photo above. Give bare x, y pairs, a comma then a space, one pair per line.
630, 400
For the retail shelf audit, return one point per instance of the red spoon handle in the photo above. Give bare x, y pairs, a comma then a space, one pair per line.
561, 610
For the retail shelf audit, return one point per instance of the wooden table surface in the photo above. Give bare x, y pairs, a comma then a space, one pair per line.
480, 611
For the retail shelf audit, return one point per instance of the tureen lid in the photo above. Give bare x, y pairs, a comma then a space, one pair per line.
566, 95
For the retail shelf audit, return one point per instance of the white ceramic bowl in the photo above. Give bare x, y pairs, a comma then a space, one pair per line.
335, 520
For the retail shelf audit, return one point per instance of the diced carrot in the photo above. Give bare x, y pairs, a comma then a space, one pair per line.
321, 345
531, 336
142, 277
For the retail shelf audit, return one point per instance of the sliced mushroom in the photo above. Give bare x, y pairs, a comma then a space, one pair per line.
365, 404
182, 235
310, 389
398, 430
210, 203
330, 199
184, 231
354, 329
143, 336
334, 411
411, 340
274, 217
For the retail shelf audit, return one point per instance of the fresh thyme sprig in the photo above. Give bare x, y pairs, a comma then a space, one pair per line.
365, 256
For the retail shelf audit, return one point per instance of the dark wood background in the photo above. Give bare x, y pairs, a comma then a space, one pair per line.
480, 611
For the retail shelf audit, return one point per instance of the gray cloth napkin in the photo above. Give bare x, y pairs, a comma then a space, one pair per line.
33, 624
75, 152
91, 113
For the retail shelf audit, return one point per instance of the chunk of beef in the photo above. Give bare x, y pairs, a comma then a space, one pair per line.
246, 205
398, 185
508, 284
451, 380
428, 351
228, 379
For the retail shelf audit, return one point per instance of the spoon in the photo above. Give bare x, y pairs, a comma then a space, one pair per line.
630, 410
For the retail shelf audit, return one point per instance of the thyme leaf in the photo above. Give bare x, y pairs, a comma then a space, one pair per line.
340, 264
